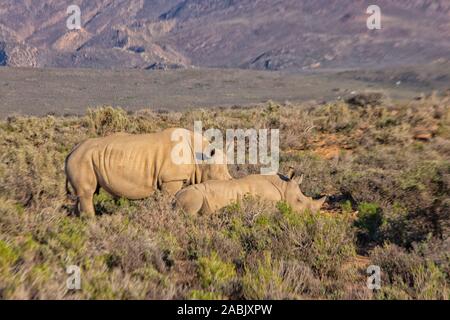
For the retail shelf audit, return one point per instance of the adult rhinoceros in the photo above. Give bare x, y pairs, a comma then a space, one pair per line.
211, 196
134, 166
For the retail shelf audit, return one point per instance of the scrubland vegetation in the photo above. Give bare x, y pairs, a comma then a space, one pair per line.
385, 168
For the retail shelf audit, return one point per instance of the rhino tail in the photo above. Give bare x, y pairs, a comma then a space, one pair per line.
69, 193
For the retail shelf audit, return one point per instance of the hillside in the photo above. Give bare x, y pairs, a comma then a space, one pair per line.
257, 34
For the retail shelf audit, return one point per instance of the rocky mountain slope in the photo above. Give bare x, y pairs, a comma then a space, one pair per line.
288, 35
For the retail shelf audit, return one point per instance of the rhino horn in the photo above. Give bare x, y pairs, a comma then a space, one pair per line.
291, 173
318, 203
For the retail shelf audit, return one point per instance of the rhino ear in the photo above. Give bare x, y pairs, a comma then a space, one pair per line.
291, 173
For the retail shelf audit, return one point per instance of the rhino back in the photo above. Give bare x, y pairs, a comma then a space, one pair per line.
219, 194
134, 166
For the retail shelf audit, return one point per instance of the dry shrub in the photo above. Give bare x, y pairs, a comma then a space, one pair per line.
146, 249
410, 275
297, 129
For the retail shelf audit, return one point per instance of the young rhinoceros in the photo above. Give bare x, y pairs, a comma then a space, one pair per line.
134, 166
213, 195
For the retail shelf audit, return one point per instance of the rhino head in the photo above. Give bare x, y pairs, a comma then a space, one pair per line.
215, 168
295, 197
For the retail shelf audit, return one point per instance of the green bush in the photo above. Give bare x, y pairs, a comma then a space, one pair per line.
8, 256
369, 221
265, 281
214, 272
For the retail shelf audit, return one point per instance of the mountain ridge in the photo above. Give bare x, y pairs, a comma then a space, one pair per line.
286, 35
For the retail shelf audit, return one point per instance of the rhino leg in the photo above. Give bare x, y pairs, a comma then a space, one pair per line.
190, 201
84, 182
172, 187
86, 204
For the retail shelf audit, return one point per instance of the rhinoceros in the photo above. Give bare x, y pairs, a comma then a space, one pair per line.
134, 166
211, 196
